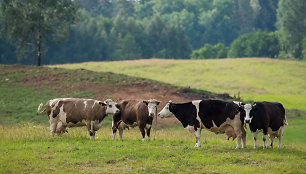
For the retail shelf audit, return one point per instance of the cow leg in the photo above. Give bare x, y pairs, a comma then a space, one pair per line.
280, 137
198, 135
148, 133
53, 125
264, 138
114, 130
114, 134
255, 139
238, 141
91, 131
141, 128
120, 133
271, 140
243, 138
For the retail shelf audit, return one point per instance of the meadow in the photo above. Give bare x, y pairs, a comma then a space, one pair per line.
27, 147
255, 79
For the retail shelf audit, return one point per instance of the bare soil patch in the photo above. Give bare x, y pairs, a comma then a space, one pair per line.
64, 83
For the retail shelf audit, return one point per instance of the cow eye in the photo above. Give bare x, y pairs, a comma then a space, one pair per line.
110, 106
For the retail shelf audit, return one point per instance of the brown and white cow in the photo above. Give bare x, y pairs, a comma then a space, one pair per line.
133, 113
215, 115
266, 117
74, 112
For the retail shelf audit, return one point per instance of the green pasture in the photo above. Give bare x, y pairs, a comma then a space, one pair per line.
256, 79
27, 147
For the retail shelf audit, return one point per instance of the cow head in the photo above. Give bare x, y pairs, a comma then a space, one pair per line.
111, 107
249, 112
152, 106
165, 112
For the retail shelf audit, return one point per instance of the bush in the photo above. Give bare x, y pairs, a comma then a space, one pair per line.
259, 44
210, 51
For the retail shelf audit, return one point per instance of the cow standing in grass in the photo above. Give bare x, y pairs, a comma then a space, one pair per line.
214, 115
135, 113
266, 117
74, 112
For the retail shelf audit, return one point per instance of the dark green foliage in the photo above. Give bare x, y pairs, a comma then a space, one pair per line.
259, 44
31, 23
210, 51
292, 26
121, 29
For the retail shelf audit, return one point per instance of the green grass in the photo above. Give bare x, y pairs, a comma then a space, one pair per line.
257, 79
30, 149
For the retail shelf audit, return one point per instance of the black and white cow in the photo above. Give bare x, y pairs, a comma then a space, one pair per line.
266, 117
214, 115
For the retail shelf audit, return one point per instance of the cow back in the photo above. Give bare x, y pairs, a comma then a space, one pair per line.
216, 111
131, 111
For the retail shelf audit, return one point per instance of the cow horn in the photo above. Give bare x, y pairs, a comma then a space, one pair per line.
170, 101
254, 104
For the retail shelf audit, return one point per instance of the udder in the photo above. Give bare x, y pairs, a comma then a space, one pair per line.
230, 132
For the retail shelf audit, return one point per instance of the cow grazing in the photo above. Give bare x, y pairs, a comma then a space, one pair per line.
133, 113
73, 112
266, 117
214, 115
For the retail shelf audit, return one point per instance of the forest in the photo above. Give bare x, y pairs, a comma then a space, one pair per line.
105, 30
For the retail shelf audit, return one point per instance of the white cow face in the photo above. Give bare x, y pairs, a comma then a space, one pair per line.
111, 107
165, 112
248, 115
152, 106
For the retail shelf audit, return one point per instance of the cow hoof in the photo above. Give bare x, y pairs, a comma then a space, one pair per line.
197, 145
238, 147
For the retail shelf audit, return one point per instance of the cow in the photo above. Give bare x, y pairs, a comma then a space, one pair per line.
266, 117
74, 112
133, 113
215, 115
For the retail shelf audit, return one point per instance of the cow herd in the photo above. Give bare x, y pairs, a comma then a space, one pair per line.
220, 117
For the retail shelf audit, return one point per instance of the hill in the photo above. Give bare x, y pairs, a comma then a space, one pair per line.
27, 147
257, 79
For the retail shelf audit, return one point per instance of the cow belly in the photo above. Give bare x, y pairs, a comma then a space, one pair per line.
231, 127
123, 125
270, 132
78, 124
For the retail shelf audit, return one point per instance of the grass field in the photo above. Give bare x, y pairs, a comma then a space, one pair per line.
30, 149
257, 79
27, 147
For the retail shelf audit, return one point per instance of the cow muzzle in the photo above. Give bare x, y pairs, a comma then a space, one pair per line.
117, 111
247, 121
151, 114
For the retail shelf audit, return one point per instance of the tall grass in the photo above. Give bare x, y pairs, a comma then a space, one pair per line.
254, 78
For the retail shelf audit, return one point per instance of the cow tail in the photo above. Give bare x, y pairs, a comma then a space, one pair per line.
39, 108
285, 121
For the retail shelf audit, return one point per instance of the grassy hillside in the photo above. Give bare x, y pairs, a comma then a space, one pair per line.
255, 78
27, 147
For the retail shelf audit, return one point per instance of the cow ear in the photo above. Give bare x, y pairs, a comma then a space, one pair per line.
102, 103
157, 102
145, 101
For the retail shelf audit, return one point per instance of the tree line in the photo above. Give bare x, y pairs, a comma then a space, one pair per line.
97, 30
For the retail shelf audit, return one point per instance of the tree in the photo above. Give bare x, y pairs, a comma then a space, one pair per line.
292, 25
210, 51
259, 44
31, 23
